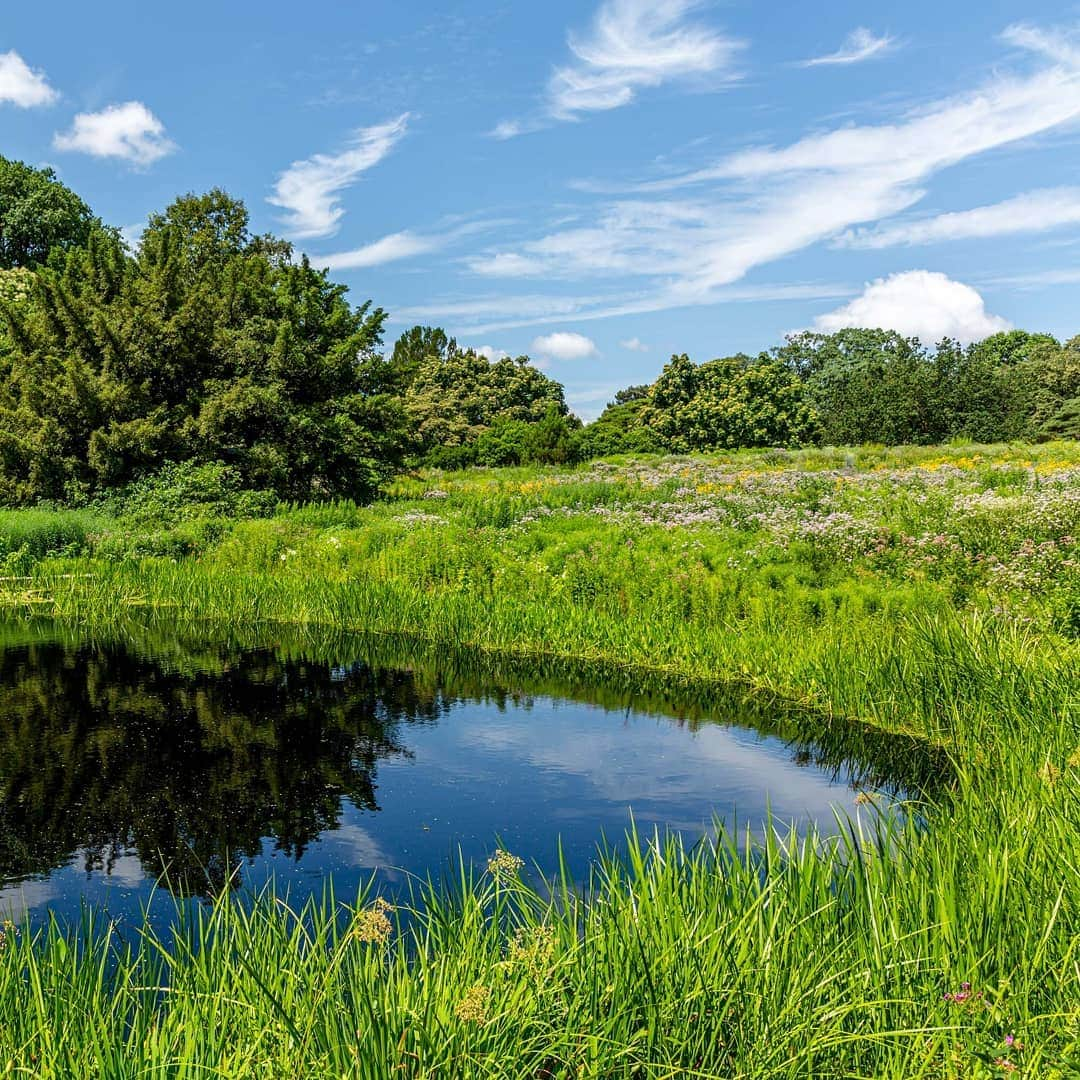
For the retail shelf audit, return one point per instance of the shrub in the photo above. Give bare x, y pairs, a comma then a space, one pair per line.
186, 491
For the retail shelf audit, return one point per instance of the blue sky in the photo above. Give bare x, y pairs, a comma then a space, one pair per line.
595, 184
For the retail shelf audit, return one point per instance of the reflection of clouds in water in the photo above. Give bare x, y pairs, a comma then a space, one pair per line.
128, 871
648, 760
353, 846
17, 900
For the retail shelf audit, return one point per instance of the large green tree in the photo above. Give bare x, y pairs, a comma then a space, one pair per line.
731, 402
211, 344
455, 395
38, 215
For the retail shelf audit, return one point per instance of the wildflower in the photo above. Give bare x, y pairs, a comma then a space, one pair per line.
472, 1008
373, 924
1006, 1064
504, 865
958, 997
1049, 774
533, 948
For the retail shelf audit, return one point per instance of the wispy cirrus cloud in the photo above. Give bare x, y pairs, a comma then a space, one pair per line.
861, 44
632, 45
21, 85
129, 132
1031, 212
692, 236
309, 190
387, 249
406, 244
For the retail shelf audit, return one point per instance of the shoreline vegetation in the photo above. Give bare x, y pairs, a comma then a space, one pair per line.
929, 592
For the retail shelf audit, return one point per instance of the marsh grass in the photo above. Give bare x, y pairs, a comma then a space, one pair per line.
925, 593
787, 956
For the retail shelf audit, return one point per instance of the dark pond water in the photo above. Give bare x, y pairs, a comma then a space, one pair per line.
298, 759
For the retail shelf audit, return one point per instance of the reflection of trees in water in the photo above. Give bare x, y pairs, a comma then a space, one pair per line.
102, 751
187, 746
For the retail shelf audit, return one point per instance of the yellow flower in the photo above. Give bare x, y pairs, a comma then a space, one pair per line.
1049, 774
372, 924
503, 865
472, 1008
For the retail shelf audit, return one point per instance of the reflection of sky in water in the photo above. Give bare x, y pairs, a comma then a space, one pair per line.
530, 775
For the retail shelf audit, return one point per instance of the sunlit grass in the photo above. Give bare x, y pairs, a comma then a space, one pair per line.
932, 592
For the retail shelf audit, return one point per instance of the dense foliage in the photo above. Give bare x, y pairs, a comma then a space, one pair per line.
851, 388
38, 215
209, 345
213, 349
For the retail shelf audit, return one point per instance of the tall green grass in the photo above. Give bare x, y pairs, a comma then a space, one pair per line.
942, 943
45, 532
781, 958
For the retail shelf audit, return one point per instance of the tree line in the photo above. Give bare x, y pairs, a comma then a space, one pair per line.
209, 344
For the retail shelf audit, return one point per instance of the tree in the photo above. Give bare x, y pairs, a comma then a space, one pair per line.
619, 429
456, 396
872, 385
209, 345
630, 393
736, 401
414, 347
38, 215
996, 389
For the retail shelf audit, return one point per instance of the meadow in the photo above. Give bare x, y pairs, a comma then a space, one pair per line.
931, 594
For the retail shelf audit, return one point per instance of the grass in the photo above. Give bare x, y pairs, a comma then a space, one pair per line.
928, 592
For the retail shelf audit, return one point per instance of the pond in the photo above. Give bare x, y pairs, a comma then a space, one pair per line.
213, 757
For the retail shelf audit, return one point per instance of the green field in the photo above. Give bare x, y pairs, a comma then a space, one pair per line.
932, 592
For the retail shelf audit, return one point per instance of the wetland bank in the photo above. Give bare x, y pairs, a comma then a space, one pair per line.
896, 618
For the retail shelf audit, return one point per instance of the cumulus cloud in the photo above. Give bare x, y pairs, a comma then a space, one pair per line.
632, 45
1034, 211
861, 44
490, 353
21, 85
918, 303
309, 190
130, 132
564, 345
634, 345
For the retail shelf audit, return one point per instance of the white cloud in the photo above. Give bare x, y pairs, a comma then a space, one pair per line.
1034, 211
634, 345
505, 264
309, 190
632, 45
490, 353
129, 131
400, 245
132, 234
21, 85
564, 345
861, 44
917, 303
761, 204
507, 129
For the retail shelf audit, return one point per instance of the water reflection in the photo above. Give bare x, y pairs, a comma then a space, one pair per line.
197, 752
105, 753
